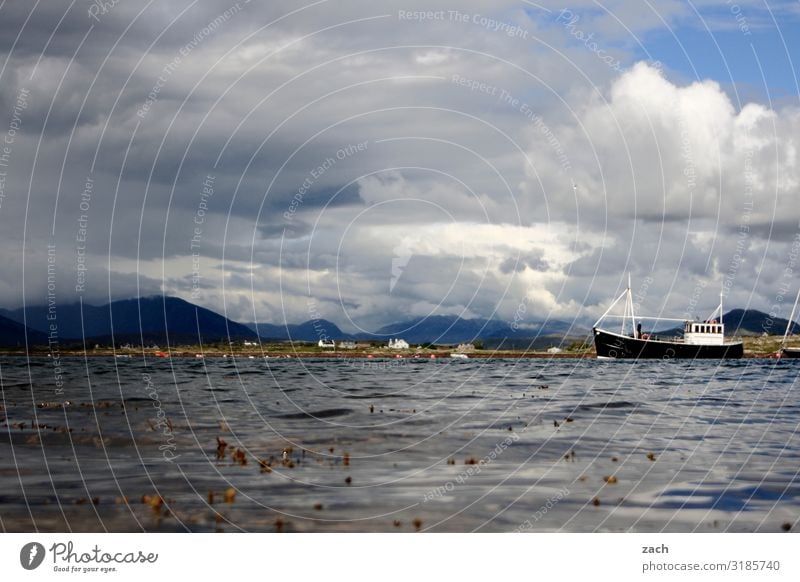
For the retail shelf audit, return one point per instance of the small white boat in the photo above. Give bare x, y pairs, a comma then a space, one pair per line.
460, 356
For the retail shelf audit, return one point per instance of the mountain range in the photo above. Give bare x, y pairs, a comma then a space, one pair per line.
12, 334
138, 321
440, 329
749, 322
164, 319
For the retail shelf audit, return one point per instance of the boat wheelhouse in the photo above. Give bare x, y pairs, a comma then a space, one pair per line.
701, 339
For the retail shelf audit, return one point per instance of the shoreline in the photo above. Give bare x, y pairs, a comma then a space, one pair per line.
187, 353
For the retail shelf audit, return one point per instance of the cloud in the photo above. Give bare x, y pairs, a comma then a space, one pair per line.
454, 193
682, 166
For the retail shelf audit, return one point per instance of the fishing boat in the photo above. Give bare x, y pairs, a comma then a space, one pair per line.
701, 339
786, 352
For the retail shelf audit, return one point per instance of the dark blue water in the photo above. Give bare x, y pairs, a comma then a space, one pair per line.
476, 445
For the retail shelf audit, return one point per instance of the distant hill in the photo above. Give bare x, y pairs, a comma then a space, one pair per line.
310, 331
752, 322
747, 322
445, 329
151, 319
440, 329
12, 334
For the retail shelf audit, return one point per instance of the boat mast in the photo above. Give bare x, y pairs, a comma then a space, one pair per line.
610, 307
624, 313
791, 320
630, 301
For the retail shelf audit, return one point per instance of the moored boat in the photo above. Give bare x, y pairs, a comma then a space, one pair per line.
701, 339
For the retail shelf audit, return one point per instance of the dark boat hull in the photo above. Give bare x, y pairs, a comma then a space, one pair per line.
609, 345
790, 353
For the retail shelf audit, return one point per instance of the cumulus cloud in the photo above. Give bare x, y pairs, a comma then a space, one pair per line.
692, 186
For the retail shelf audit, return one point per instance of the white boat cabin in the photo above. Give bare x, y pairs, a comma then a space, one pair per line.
707, 333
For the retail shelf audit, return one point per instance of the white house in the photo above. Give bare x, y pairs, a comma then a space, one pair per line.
327, 343
398, 344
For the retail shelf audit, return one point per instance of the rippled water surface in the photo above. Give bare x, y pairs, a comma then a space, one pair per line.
368, 445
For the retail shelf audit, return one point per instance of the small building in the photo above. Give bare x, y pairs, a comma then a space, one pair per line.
398, 344
327, 343
248, 343
465, 348
347, 345
554, 350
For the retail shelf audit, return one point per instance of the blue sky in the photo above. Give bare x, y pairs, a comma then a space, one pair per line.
757, 65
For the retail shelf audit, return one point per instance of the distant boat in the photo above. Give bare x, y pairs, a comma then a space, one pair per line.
701, 339
460, 356
785, 352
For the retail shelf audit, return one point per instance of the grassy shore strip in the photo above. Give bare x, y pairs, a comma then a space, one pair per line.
755, 347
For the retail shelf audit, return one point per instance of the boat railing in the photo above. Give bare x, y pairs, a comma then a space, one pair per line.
661, 338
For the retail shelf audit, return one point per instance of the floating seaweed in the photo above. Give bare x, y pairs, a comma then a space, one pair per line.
154, 501
221, 445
